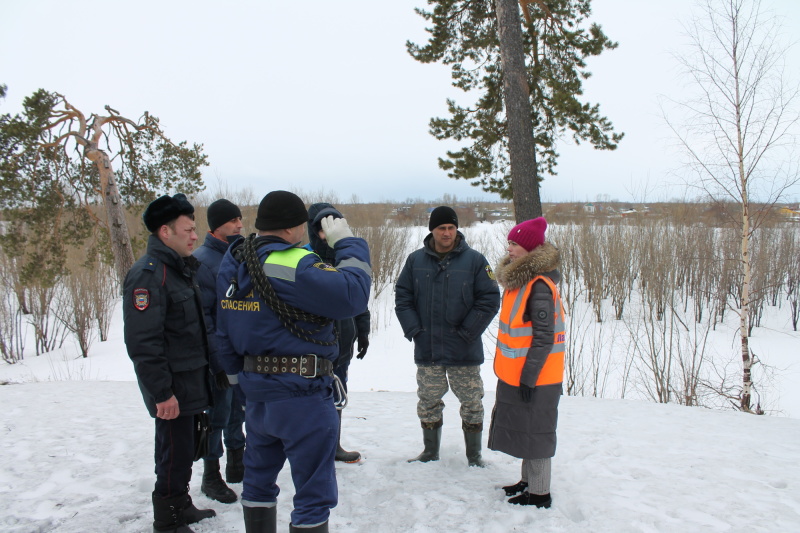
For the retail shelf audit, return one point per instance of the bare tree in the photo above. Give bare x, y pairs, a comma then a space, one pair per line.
739, 128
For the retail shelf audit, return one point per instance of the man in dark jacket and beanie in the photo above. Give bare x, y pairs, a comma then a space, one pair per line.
349, 330
445, 297
529, 360
166, 339
227, 415
276, 341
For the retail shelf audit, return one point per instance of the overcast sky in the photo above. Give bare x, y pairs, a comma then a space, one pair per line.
322, 95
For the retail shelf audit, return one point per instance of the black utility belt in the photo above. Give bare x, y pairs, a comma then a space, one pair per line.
307, 366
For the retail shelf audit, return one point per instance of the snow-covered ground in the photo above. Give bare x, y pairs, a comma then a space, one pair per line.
76, 453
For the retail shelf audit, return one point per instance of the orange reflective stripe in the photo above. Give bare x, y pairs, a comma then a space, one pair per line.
515, 336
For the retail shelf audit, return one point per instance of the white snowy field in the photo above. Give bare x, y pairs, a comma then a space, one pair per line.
77, 445
77, 457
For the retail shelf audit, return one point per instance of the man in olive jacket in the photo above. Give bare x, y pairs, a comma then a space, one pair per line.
445, 297
165, 336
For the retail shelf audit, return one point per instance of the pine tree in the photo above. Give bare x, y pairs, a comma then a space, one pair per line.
487, 54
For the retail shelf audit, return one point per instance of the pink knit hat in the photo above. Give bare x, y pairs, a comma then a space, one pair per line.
529, 234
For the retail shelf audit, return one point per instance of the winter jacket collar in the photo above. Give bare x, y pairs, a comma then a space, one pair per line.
218, 245
460, 246
543, 260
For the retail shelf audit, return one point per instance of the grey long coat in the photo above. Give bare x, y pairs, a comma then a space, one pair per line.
520, 429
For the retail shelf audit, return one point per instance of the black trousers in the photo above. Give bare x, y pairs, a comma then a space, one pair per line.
174, 455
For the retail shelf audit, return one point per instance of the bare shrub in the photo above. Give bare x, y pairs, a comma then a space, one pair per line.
74, 307
49, 332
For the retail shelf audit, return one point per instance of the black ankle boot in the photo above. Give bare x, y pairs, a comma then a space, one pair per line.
193, 515
539, 500
213, 486
168, 515
516, 488
234, 466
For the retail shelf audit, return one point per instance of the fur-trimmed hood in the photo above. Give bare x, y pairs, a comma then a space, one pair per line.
515, 273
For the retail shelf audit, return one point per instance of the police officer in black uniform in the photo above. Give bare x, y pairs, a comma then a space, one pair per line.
166, 339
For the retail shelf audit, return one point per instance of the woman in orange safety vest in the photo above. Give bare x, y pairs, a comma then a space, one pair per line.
529, 360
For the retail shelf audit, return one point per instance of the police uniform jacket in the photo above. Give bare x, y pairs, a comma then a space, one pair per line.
246, 325
164, 329
527, 430
445, 305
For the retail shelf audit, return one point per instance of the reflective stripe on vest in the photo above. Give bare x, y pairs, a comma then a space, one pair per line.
515, 336
283, 264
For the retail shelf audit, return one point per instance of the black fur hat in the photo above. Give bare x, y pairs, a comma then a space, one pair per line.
166, 209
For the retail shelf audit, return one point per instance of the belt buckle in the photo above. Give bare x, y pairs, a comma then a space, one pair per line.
316, 362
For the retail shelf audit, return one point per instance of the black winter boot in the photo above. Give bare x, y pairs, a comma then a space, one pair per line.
341, 453
260, 519
322, 528
234, 467
539, 500
432, 439
516, 488
193, 515
213, 486
168, 515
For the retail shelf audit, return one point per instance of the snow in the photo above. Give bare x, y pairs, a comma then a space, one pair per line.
76, 454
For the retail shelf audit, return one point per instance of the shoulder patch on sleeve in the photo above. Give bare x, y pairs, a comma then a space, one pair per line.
489, 272
141, 299
325, 266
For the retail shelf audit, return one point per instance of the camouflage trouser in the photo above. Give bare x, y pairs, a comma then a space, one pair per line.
432, 385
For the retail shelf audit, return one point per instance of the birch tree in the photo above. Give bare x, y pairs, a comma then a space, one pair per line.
738, 130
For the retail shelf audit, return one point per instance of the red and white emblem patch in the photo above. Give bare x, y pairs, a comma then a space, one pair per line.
141, 299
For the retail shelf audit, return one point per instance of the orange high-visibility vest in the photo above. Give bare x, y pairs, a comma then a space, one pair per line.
515, 336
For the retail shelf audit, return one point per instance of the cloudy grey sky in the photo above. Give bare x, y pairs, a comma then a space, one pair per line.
321, 94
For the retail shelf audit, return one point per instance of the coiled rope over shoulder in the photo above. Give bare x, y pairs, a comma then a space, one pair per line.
286, 313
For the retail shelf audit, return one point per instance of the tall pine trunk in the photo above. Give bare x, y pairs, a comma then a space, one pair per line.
521, 146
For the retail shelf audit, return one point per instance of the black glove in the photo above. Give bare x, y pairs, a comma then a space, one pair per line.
221, 379
363, 344
525, 393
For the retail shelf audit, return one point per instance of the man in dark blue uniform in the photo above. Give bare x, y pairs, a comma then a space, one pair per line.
166, 339
226, 415
276, 341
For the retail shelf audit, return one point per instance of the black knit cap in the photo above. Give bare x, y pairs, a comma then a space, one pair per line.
221, 212
166, 209
281, 210
442, 215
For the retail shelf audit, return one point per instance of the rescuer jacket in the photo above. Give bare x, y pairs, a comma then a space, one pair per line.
247, 325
